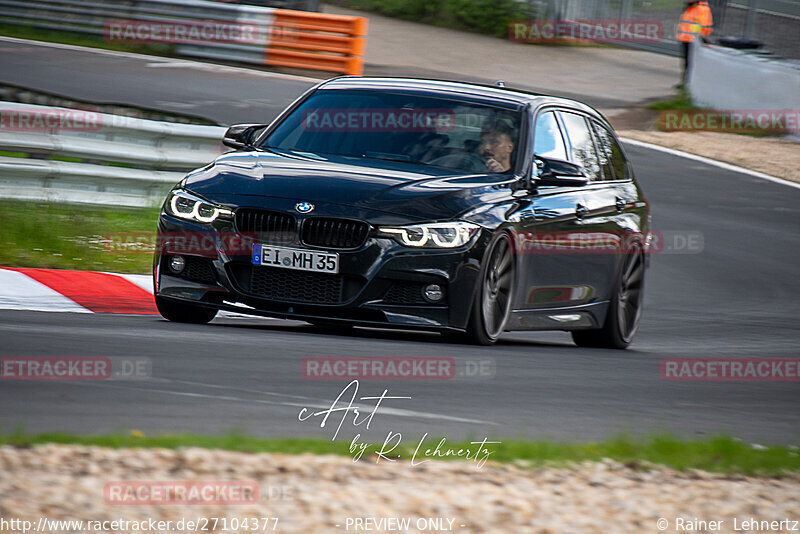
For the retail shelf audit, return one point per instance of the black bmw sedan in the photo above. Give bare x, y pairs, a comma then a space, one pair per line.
387, 202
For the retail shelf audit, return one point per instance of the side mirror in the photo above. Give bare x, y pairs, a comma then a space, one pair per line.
241, 136
557, 172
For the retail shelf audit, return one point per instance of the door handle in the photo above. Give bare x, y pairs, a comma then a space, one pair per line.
581, 211
620, 204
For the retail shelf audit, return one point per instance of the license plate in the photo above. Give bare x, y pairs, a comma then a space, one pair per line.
295, 258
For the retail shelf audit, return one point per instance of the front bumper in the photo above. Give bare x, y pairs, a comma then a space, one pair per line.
379, 284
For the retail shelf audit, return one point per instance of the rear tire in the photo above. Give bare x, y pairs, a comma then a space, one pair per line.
624, 311
492, 304
179, 312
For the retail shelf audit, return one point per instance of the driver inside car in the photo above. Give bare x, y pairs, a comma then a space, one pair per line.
496, 146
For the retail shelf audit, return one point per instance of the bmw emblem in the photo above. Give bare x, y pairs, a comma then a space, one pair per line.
304, 207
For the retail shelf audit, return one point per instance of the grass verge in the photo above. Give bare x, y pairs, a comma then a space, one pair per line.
720, 454
68, 236
682, 100
80, 39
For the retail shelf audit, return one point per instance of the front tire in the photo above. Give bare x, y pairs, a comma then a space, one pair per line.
624, 311
492, 304
179, 312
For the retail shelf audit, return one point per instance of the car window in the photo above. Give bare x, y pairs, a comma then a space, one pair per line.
611, 156
607, 173
452, 134
582, 150
548, 141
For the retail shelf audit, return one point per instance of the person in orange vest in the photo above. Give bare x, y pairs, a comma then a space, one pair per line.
695, 21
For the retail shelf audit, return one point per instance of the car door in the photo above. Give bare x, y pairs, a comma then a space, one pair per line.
551, 276
600, 250
604, 200
618, 188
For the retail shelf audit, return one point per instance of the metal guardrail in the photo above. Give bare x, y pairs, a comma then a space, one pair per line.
79, 156
265, 35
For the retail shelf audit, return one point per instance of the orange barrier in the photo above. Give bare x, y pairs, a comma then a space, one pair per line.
318, 41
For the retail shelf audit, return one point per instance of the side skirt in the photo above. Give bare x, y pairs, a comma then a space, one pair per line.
585, 316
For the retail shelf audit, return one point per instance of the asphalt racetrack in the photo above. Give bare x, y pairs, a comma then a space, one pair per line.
735, 295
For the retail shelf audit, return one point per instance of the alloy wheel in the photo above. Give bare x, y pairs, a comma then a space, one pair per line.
497, 285
630, 296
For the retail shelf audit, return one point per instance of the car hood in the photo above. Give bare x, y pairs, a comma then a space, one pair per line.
414, 191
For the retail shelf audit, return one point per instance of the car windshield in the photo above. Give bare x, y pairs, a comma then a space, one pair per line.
420, 130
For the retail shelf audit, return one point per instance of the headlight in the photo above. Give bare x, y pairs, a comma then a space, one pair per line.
433, 235
188, 206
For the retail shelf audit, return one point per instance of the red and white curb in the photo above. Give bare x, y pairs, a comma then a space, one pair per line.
58, 290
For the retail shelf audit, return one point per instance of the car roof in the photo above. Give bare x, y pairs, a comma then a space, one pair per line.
501, 95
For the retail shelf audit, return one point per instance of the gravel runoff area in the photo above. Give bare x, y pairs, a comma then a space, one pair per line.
774, 156
313, 494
